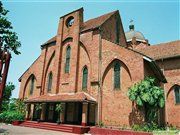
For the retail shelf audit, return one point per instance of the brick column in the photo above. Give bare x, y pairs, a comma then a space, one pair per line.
32, 110
43, 112
62, 114
84, 114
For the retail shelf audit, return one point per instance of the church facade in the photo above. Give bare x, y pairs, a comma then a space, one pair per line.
88, 68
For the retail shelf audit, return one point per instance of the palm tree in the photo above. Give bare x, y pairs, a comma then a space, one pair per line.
59, 110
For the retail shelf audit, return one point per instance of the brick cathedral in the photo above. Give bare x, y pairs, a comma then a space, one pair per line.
88, 68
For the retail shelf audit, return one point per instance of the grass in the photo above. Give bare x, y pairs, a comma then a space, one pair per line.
166, 132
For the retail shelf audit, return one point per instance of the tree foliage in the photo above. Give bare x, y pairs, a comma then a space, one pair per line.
17, 105
8, 38
147, 94
59, 108
38, 107
15, 111
12, 108
6, 95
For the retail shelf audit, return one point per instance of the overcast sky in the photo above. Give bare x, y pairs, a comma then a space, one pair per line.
37, 21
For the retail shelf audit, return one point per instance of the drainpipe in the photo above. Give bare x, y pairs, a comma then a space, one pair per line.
100, 78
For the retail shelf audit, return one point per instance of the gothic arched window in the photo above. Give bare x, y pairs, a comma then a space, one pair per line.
117, 67
85, 78
32, 84
177, 94
67, 64
50, 77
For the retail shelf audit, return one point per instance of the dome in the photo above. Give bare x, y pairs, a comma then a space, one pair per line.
132, 33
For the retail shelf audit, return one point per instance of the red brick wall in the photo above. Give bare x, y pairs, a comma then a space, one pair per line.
116, 106
85, 50
172, 73
25, 81
109, 30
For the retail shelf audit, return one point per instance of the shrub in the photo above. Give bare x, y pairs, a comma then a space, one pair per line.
147, 94
101, 124
10, 116
149, 127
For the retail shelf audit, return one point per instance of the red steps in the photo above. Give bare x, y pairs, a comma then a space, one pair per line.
53, 126
48, 126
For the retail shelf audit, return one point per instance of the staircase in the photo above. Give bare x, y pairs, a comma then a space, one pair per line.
48, 126
55, 127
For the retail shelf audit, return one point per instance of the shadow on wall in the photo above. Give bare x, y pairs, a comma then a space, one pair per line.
137, 115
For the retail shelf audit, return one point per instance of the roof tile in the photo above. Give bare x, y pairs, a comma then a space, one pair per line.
163, 50
88, 25
64, 97
96, 22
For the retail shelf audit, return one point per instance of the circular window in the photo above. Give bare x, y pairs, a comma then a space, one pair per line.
70, 21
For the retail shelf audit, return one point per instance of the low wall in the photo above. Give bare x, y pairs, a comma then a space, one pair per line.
106, 131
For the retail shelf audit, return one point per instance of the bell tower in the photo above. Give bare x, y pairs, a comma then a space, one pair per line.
71, 23
68, 31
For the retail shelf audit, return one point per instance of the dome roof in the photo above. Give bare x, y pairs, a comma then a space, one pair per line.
132, 33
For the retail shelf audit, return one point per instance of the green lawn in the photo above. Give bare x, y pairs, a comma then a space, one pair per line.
170, 132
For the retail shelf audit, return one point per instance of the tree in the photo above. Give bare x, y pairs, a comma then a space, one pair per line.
59, 109
38, 107
147, 94
8, 38
8, 43
6, 95
15, 111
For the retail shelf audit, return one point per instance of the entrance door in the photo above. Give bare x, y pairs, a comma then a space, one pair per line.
73, 113
91, 114
36, 114
50, 112
55, 115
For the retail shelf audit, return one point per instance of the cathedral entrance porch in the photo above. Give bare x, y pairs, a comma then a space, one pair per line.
74, 112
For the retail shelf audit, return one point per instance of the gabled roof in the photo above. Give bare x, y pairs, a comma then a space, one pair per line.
157, 71
52, 40
88, 25
28, 69
63, 97
96, 22
163, 50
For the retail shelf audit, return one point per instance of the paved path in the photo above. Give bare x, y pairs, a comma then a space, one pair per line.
17, 130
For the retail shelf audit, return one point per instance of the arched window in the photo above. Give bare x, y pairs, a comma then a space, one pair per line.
50, 77
68, 54
32, 84
85, 78
117, 67
177, 94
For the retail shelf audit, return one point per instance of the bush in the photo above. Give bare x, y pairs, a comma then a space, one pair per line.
10, 116
147, 94
146, 127
101, 124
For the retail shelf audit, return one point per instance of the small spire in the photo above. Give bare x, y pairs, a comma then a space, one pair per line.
131, 26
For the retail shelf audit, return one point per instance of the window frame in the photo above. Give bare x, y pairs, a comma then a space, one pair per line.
117, 75
84, 78
177, 97
50, 80
67, 60
32, 85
